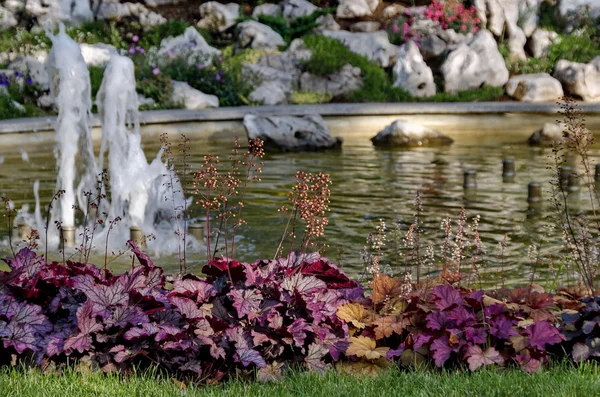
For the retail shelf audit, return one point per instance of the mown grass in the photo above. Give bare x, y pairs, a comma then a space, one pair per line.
558, 380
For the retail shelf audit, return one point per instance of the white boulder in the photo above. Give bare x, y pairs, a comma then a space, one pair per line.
190, 44
50, 12
337, 84
217, 17
119, 11
96, 54
412, 73
356, 8
191, 98
272, 86
7, 19
540, 42
402, 133
469, 66
291, 9
252, 34
268, 9
375, 45
539, 87
33, 67
581, 79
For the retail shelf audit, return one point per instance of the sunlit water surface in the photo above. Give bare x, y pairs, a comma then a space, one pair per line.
368, 184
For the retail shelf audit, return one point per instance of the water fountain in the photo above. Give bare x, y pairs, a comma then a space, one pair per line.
136, 189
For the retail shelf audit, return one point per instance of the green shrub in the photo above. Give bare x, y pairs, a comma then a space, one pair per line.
483, 94
330, 55
310, 97
294, 28
8, 108
155, 86
153, 36
96, 76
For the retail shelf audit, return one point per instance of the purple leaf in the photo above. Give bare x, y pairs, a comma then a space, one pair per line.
236, 335
438, 321
589, 325
581, 352
476, 335
446, 297
441, 350
86, 321
251, 275
122, 316
476, 357
298, 330
144, 331
502, 328
303, 284
26, 262
246, 302
462, 316
18, 335
198, 290
314, 358
141, 257
391, 354
542, 333
250, 356
421, 340
187, 308
102, 296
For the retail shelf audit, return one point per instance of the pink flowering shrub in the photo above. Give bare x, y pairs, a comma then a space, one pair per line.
451, 14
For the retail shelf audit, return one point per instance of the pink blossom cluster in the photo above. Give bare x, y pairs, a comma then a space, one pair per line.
452, 14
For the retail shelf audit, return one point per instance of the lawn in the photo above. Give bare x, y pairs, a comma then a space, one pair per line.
557, 380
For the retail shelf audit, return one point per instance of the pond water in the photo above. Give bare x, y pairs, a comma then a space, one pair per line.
368, 184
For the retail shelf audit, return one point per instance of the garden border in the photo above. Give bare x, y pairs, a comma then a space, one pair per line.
37, 124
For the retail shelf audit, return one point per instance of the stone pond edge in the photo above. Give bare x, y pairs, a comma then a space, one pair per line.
36, 124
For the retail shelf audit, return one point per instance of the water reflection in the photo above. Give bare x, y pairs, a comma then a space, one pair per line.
368, 184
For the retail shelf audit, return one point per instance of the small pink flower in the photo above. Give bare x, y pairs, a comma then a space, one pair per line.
475, 29
132, 50
463, 28
170, 53
156, 71
407, 11
136, 38
200, 66
395, 28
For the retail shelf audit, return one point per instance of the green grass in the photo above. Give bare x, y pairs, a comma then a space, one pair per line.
560, 380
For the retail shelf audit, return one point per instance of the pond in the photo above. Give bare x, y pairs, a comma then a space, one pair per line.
368, 184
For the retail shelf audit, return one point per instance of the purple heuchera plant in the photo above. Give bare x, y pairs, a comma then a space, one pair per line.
242, 315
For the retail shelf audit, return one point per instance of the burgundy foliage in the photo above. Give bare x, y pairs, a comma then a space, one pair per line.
273, 314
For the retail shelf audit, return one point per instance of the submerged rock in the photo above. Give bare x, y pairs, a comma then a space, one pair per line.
402, 133
192, 98
412, 73
581, 79
288, 133
547, 135
540, 87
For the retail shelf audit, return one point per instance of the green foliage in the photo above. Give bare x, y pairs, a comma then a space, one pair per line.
310, 97
294, 28
8, 108
155, 86
330, 55
96, 75
107, 32
575, 48
547, 18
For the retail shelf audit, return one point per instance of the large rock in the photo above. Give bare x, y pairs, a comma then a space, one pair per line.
268, 9
402, 133
290, 61
356, 8
291, 9
337, 84
272, 86
540, 42
539, 87
581, 79
96, 54
326, 22
547, 135
412, 73
376, 45
432, 47
572, 12
50, 12
517, 17
470, 66
190, 44
287, 133
392, 11
365, 26
192, 98
7, 19
125, 11
217, 17
252, 34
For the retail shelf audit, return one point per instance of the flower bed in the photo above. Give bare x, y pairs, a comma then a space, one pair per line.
273, 315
